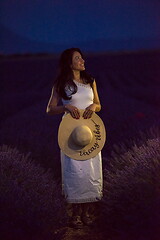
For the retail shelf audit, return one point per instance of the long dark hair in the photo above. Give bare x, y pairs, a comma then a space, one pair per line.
65, 76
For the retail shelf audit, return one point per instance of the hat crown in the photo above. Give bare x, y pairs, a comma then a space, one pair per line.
82, 135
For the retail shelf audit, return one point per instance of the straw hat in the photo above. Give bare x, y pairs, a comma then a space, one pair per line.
81, 139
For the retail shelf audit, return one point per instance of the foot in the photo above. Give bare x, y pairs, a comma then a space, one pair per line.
76, 222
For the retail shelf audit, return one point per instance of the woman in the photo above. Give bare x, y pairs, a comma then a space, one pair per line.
77, 90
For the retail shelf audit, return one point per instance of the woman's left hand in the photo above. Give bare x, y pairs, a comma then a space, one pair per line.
89, 111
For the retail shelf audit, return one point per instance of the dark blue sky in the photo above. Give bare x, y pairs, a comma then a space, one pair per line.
68, 22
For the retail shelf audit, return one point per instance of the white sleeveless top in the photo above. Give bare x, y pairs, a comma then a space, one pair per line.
82, 98
81, 180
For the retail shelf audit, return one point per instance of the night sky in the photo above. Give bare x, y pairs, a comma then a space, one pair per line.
56, 24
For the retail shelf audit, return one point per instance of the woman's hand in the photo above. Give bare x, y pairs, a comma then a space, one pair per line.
73, 111
89, 111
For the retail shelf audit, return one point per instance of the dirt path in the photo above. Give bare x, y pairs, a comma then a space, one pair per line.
85, 233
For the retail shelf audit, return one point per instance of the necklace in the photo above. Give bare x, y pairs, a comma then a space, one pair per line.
81, 84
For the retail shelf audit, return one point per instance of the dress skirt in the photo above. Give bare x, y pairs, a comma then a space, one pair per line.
82, 180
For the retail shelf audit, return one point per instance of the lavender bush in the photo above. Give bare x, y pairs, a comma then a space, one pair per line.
131, 204
30, 198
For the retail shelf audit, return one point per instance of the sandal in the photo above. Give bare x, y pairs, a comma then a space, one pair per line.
87, 220
76, 222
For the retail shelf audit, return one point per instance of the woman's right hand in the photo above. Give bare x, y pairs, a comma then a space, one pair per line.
73, 111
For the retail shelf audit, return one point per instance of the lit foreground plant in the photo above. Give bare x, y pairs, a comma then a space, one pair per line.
131, 204
30, 198
32, 201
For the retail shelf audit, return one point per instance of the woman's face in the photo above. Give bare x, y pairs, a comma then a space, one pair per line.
77, 62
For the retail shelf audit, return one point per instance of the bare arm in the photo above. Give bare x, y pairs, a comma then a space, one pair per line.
53, 108
95, 106
96, 101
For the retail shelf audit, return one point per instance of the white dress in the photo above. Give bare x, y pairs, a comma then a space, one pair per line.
81, 180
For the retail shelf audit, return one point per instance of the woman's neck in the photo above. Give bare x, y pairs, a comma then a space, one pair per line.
77, 76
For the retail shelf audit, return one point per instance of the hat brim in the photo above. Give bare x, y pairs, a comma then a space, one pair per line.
66, 128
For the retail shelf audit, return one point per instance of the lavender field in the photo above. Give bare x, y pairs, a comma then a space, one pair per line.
129, 89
